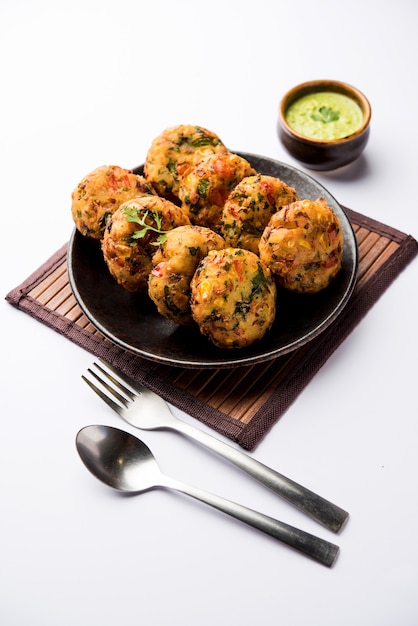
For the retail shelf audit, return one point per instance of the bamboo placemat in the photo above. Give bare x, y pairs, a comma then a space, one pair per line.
244, 402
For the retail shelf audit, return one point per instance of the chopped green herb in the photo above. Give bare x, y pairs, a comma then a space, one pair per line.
132, 215
248, 227
325, 115
242, 307
169, 302
104, 219
204, 141
202, 188
258, 281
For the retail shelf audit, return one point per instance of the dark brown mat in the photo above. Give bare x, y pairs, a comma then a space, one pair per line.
244, 402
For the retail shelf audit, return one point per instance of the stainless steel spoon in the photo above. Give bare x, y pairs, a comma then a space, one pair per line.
125, 463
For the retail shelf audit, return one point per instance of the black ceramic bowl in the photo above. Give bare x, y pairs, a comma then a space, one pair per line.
324, 154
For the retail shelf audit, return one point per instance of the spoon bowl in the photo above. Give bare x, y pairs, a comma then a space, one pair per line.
117, 459
125, 463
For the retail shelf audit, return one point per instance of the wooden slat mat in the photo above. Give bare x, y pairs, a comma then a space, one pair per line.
244, 402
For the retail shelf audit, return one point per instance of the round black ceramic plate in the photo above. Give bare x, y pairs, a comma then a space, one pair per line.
132, 322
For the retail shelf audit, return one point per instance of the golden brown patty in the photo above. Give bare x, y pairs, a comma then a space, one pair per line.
129, 258
249, 207
233, 298
174, 264
100, 193
303, 246
205, 188
173, 151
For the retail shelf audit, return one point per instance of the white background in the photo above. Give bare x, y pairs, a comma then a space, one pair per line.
91, 83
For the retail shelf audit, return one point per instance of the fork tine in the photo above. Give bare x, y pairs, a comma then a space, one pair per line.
115, 394
121, 379
116, 381
113, 405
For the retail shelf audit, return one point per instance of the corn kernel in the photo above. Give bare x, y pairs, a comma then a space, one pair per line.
305, 244
205, 289
323, 240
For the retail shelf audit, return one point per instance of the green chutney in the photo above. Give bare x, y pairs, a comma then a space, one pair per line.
324, 115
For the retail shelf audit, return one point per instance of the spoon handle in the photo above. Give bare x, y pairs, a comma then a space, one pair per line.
326, 513
318, 549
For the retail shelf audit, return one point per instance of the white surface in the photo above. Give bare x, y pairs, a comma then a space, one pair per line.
88, 83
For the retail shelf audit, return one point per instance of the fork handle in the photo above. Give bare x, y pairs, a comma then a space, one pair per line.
326, 513
316, 548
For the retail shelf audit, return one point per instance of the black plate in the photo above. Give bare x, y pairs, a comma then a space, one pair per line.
132, 321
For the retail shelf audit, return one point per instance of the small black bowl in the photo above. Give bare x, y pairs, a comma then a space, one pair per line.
324, 154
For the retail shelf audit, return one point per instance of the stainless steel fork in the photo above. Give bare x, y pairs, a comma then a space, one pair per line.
144, 409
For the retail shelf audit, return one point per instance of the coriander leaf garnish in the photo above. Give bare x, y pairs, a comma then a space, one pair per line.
132, 215
325, 115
